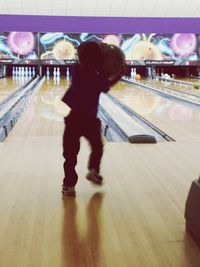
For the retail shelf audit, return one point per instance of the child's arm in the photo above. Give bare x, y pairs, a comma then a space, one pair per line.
112, 80
115, 79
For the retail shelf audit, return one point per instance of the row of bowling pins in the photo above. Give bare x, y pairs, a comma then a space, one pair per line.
23, 71
133, 73
56, 72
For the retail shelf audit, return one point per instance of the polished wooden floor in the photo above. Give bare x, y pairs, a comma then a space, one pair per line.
178, 120
9, 85
136, 219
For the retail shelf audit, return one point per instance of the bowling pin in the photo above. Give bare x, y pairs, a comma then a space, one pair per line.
4, 71
33, 72
67, 74
54, 72
29, 71
58, 73
26, 71
22, 71
132, 73
48, 72
13, 71
135, 73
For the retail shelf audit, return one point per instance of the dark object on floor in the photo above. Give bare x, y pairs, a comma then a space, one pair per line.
192, 211
142, 139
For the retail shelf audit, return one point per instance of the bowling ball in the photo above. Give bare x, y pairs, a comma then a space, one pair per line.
113, 61
138, 77
90, 54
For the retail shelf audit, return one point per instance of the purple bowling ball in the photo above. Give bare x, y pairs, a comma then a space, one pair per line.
22, 43
183, 44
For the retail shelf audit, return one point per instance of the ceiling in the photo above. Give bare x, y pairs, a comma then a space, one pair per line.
108, 8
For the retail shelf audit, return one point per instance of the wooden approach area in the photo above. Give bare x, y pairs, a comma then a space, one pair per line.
135, 219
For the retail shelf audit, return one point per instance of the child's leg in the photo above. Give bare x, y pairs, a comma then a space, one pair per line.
93, 134
71, 146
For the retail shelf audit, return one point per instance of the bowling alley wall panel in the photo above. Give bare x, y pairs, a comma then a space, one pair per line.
139, 48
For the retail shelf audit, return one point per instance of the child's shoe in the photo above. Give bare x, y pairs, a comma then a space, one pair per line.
68, 191
94, 177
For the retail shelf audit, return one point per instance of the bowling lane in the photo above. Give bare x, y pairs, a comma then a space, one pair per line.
9, 85
190, 80
179, 121
50, 95
128, 124
44, 116
183, 87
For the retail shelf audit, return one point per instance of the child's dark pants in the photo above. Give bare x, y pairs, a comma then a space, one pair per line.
77, 125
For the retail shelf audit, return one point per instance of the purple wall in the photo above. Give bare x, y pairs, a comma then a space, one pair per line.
98, 24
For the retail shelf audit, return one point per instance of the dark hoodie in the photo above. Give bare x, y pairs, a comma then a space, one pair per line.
83, 94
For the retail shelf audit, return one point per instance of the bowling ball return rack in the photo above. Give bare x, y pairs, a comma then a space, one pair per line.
114, 131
